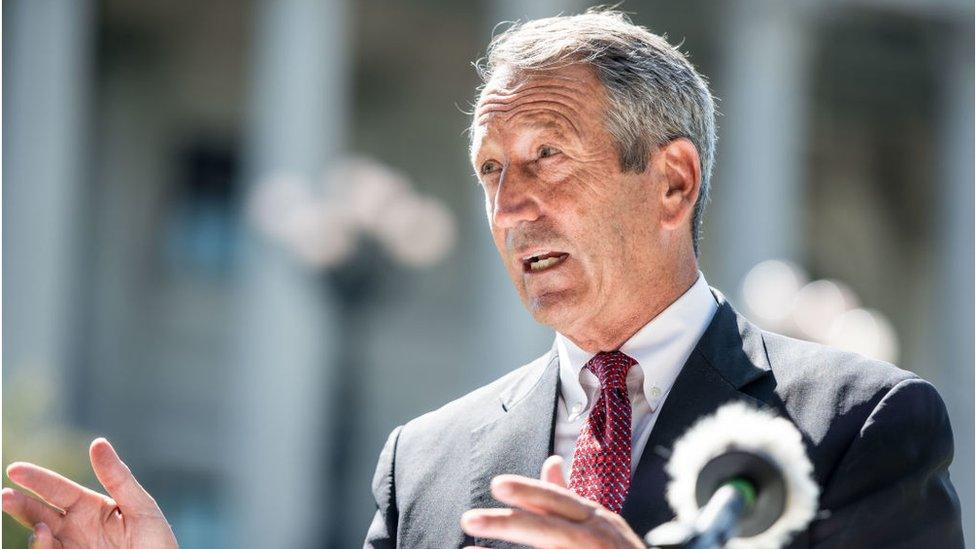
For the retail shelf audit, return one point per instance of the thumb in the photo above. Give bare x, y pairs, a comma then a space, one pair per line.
117, 479
552, 471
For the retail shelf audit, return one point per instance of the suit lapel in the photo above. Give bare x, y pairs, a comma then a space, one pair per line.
518, 440
729, 355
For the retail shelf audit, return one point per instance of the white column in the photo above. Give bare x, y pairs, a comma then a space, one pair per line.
951, 335
47, 55
298, 105
756, 212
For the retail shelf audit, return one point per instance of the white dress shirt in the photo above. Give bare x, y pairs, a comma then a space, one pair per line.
660, 348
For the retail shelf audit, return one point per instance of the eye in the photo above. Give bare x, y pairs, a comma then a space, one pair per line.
489, 167
546, 151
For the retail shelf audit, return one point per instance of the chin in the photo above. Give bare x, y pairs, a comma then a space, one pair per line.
554, 309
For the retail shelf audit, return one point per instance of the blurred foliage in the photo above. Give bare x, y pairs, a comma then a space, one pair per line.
31, 433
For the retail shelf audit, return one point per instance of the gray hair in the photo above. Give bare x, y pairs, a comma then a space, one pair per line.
655, 94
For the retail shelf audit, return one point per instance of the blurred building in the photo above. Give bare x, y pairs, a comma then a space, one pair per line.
252, 391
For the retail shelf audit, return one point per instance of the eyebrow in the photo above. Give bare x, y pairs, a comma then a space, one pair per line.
553, 124
545, 120
538, 118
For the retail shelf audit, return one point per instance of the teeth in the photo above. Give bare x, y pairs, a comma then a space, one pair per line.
543, 263
533, 256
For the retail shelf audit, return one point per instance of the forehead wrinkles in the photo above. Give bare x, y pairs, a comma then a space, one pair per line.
563, 102
500, 97
538, 116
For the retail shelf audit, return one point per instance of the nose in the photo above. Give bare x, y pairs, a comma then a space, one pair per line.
516, 198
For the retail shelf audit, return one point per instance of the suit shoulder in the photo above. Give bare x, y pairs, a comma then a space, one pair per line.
830, 394
812, 379
809, 364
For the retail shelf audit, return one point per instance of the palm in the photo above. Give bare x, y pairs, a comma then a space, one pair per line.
75, 516
98, 523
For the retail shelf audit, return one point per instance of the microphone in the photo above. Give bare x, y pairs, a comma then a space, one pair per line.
740, 478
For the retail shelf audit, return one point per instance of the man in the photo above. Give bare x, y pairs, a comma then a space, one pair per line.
594, 140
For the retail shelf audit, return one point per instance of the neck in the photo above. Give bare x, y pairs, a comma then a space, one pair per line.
612, 331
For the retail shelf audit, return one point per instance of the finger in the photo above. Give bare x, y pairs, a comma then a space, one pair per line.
552, 471
517, 526
541, 496
29, 511
43, 538
117, 479
48, 485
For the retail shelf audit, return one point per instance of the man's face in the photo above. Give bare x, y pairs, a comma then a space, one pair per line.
578, 237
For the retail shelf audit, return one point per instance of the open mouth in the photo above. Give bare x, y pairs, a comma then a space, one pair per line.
542, 261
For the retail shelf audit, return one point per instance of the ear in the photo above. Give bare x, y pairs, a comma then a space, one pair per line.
681, 169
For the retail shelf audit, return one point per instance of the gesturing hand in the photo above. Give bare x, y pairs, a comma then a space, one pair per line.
74, 516
548, 515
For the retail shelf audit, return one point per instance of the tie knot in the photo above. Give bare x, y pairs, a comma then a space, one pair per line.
611, 369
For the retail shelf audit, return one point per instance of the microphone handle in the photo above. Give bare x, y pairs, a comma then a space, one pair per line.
719, 519
717, 523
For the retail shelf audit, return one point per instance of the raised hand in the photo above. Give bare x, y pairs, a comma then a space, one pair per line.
71, 515
546, 514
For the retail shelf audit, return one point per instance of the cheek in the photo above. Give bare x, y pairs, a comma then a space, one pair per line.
591, 199
567, 185
605, 219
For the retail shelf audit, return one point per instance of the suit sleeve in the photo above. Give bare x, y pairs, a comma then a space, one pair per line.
382, 531
892, 487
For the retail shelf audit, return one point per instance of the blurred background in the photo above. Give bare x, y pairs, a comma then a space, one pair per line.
243, 241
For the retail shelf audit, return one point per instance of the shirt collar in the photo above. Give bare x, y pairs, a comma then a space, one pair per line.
660, 348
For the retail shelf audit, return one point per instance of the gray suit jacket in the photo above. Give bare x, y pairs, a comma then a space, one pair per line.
878, 437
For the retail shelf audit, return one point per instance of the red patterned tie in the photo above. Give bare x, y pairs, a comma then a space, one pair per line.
601, 462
